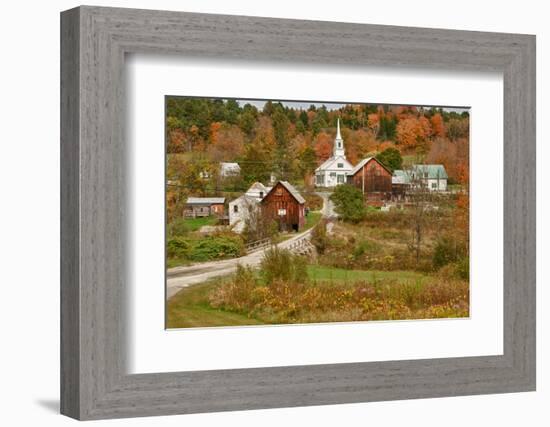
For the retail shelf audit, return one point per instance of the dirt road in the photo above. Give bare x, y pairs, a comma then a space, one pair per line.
182, 277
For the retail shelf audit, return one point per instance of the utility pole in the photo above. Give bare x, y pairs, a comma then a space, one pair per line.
363, 181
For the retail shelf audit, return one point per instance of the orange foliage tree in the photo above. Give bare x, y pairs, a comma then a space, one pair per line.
323, 146
226, 142
373, 121
359, 144
412, 131
438, 128
177, 141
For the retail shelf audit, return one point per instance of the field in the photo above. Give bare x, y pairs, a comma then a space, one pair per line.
375, 268
330, 294
194, 224
190, 308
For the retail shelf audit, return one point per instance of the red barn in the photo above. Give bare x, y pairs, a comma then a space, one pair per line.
370, 176
285, 205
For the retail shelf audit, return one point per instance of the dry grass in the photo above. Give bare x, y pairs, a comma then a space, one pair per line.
379, 299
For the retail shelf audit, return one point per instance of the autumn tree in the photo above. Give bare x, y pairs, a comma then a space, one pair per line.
308, 162
322, 145
412, 131
420, 201
177, 141
176, 193
227, 142
258, 226
458, 128
438, 127
359, 144
373, 121
283, 162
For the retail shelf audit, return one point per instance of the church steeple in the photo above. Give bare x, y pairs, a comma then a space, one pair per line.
338, 143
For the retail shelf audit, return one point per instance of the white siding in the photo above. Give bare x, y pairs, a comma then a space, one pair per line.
437, 184
238, 216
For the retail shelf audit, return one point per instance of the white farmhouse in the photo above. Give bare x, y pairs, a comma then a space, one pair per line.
257, 190
229, 169
433, 177
241, 208
334, 170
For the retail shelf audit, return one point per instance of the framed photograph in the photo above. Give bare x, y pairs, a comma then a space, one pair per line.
286, 212
262, 213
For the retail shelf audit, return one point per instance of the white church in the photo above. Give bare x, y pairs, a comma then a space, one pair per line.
335, 169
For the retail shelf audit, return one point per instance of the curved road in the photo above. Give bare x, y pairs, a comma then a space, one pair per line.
178, 278
328, 206
182, 277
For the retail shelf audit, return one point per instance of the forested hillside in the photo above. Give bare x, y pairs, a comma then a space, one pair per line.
292, 142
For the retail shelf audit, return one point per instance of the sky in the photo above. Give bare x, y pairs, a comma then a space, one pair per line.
304, 105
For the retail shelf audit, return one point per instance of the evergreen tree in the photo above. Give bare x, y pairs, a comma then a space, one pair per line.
391, 158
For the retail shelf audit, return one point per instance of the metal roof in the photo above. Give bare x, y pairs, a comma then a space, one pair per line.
257, 186
401, 177
363, 162
244, 197
291, 190
434, 171
205, 200
359, 165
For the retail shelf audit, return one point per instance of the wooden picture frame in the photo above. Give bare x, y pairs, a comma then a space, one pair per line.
94, 382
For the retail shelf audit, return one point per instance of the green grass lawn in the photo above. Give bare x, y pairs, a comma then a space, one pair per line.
312, 219
323, 273
189, 309
176, 262
195, 224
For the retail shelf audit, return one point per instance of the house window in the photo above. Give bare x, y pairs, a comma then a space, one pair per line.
340, 165
320, 179
333, 174
261, 194
279, 191
235, 208
341, 179
434, 185
339, 145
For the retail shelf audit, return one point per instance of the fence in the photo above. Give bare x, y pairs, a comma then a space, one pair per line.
258, 244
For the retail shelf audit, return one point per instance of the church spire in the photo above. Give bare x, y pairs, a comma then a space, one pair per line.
338, 143
338, 136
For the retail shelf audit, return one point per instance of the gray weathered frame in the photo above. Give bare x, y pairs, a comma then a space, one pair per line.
94, 41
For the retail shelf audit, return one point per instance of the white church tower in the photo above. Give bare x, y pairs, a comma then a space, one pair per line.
334, 170
338, 150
